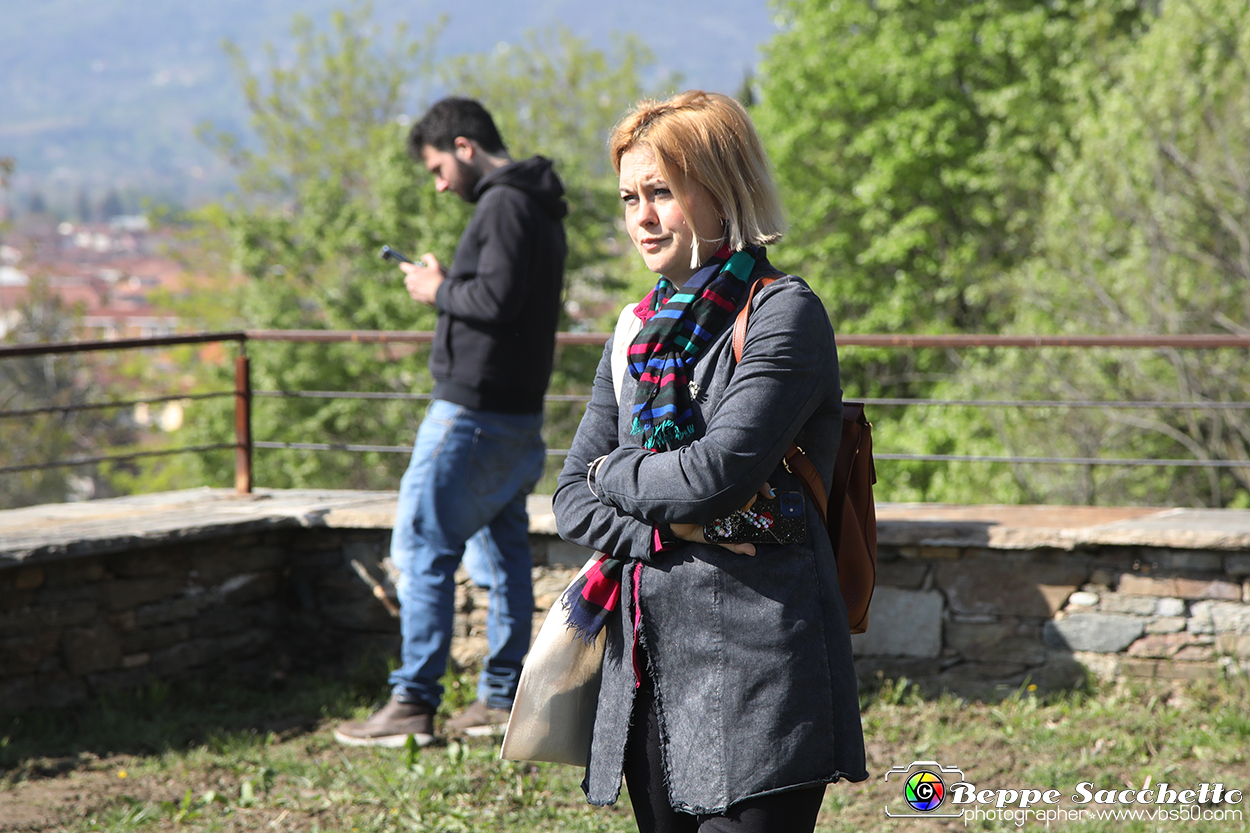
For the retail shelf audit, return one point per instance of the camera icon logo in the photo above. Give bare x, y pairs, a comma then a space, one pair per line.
923, 789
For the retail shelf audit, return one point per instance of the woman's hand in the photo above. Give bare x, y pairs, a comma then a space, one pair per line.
694, 532
765, 491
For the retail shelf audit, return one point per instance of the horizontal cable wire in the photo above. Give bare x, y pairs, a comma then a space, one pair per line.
1064, 403
384, 449
344, 394
87, 461
577, 397
341, 394
923, 458
396, 449
1062, 461
95, 406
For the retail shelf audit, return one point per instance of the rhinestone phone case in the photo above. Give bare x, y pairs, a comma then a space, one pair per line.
776, 520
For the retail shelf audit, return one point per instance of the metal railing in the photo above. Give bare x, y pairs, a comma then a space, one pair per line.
243, 394
1198, 341
244, 444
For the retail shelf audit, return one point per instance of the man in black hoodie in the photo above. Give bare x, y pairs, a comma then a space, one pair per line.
479, 451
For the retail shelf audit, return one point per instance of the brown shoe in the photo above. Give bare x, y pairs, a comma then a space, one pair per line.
479, 720
390, 726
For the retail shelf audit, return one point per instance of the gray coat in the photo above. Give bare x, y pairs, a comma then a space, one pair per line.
750, 655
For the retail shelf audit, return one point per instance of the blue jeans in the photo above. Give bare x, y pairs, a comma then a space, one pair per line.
463, 496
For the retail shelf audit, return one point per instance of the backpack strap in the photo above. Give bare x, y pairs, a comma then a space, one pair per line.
798, 464
796, 461
740, 323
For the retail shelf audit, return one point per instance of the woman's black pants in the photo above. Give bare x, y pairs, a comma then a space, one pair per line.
793, 811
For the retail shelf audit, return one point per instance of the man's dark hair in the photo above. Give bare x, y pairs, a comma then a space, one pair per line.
452, 117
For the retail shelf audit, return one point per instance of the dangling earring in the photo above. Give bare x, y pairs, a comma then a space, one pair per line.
695, 262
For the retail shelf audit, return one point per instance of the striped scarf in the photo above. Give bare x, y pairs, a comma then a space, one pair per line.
672, 340
678, 325
593, 595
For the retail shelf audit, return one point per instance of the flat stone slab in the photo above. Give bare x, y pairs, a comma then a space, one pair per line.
53, 531
1061, 527
62, 530
902, 623
1100, 633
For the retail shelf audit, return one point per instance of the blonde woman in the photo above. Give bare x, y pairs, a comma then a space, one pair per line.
729, 695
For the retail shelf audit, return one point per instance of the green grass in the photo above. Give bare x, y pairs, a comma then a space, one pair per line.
196, 759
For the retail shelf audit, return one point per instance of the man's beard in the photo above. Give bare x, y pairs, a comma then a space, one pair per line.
468, 177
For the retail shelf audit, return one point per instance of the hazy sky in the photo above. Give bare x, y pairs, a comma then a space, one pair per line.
97, 90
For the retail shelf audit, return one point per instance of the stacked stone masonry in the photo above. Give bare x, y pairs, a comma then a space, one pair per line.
251, 608
983, 622
974, 600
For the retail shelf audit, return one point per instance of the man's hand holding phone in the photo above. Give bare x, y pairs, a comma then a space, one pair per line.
422, 277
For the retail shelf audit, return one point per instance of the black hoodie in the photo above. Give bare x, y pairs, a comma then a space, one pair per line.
500, 304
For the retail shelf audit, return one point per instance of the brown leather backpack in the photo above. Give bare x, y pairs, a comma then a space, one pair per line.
849, 513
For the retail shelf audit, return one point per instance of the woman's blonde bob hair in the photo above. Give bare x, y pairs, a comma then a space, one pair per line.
708, 139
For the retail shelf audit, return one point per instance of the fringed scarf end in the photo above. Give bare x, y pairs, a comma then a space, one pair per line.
667, 433
593, 597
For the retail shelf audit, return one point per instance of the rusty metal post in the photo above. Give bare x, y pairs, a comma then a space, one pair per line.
242, 425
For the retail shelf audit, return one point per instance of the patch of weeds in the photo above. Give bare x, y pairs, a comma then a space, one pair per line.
890, 692
182, 811
130, 814
459, 689
241, 774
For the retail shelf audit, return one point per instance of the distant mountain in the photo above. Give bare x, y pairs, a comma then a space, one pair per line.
101, 97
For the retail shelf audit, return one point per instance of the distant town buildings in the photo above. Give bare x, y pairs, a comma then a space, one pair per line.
112, 275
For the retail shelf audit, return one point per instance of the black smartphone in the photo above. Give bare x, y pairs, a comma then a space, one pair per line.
775, 520
388, 253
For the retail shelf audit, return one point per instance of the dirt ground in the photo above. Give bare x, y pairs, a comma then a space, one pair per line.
53, 793
65, 792
58, 791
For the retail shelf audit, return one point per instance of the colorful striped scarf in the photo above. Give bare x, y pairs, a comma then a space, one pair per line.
678, 325
593, 595
672, 340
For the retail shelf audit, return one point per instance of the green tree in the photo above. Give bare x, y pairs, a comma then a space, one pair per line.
913, 140
326, 184
1147, 230
330, 182
28, 385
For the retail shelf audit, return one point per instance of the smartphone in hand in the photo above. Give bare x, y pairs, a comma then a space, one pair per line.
388, 253
776, 520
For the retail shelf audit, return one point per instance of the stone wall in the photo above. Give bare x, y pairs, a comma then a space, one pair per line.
980, 601
206, 584
1046, 605
250, 608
